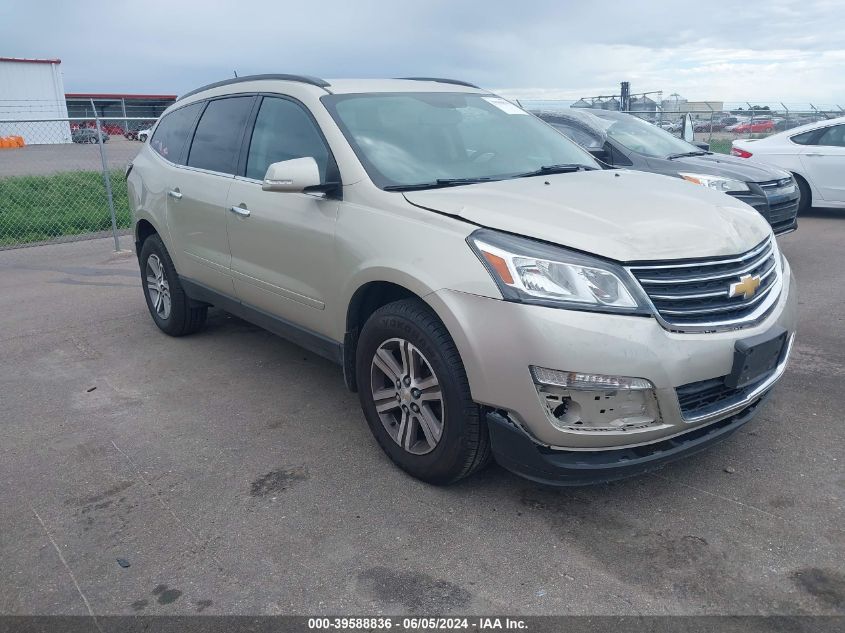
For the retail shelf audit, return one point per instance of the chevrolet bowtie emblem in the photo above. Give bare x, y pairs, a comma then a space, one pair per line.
746, 286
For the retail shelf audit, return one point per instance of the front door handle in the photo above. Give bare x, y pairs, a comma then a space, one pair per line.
814, 154
241, 211
174, 193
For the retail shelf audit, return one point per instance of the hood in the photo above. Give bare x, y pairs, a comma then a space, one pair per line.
721, 165
618, 214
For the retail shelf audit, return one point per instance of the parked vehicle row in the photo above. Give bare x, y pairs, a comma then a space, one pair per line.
814, 153
133, 131
489, 290
105, 126
622, 140
742, 124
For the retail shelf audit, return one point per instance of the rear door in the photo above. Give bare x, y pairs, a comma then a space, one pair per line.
282, 243
196, 208
824, 163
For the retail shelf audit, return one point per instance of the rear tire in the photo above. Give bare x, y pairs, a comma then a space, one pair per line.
805, 202
171, 309
426, 420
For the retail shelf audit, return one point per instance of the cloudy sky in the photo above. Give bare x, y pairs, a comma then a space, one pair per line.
771, 51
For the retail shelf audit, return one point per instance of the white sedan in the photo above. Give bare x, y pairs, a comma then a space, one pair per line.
814, 153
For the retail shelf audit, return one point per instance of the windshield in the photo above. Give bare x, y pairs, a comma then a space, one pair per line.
645, 138
416, 139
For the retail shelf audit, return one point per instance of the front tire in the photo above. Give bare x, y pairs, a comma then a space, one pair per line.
171, 309
415, 395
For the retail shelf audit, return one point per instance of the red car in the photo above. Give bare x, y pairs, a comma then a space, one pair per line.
754, 128
111, 128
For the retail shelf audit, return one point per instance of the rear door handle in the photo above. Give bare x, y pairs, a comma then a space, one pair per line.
174, 193
814, 154
241, 211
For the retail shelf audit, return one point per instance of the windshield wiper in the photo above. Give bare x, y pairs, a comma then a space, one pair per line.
439, 183
564, 168
685, 154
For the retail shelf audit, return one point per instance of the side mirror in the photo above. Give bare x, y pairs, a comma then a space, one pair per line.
293, 176
688, 133
702, 145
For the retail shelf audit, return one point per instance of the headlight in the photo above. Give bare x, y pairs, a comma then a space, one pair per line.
533, 272
726, 185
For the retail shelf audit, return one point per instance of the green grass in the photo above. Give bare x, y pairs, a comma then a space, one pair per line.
40, 208
721, 145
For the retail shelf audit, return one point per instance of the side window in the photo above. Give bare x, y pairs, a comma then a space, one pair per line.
217, 140
584, 138
806, 138
171, 136
834, 136
283, 131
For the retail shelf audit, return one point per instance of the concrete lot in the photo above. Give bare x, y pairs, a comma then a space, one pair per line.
235, 474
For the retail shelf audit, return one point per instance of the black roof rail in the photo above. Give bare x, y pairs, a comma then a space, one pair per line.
440, 80
305, 79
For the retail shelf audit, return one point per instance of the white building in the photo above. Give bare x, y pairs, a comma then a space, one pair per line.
33, 89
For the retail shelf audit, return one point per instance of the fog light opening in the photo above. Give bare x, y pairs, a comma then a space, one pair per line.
613, 408
566, 410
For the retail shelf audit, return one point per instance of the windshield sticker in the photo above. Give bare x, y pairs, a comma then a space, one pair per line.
504, 105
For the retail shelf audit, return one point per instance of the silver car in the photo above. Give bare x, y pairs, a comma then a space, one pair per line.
487, 289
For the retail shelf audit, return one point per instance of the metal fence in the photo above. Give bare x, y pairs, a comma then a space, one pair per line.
62, 179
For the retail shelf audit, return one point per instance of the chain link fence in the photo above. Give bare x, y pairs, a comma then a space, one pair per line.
62, 179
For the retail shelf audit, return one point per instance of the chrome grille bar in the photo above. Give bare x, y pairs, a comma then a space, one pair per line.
710, 262
725, 275
696, 295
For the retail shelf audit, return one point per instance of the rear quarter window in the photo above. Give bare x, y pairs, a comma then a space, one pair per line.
806, 138
170, 139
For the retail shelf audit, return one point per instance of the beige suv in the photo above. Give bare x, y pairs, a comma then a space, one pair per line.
488, 289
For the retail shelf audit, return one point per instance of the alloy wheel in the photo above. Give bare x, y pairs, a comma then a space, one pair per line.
407, 396
158, 287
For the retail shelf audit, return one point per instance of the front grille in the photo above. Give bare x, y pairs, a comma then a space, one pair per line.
781, 214
694, 295
700, 399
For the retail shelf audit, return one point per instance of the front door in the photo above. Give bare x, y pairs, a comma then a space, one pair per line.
282, 243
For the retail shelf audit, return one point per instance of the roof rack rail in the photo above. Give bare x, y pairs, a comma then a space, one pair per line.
441, 80
305, 79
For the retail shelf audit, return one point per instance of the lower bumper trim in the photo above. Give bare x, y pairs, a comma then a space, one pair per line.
514, 450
